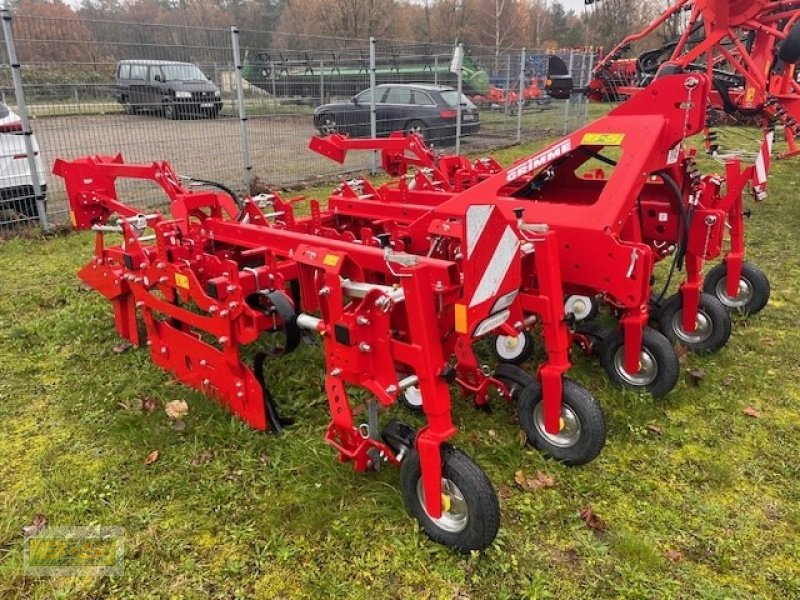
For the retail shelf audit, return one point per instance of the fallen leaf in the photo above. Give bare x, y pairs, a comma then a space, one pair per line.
589, 517
121, 347
492, 433
541, 481
151, 458
697, 375
504, 492
768, 341
134, 405
177, 409
265, 459
654, 428
206, 456
523, 439
149, 405
38, 523
538, 482
674, 555
752, 412
682, 352
728, 380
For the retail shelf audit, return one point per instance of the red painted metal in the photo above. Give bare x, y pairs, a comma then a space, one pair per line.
738, 46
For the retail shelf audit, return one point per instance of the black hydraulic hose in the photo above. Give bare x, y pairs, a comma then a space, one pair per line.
227, 190
680, 253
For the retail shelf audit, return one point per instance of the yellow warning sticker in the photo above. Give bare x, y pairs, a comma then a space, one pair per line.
331, 260
603, 139
182, 281
461, 318
750, 95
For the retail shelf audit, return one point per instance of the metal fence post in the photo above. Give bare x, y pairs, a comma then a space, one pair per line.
373, 115
569, 100
321, 82
459, 88
586, 85
435, 70
41, 210
520, 99
244, 134
507, 92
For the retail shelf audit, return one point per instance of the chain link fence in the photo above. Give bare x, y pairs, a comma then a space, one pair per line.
239, 106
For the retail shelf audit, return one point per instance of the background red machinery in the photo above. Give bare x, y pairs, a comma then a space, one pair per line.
748, 48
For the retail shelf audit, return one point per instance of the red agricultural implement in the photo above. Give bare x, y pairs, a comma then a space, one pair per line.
612, 228
748, 48
215, 276
402, 280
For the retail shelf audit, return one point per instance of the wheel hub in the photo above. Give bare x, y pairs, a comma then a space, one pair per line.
510, 347
743, 295
455, 513
702, 330
413, 396
570, 427
648, 368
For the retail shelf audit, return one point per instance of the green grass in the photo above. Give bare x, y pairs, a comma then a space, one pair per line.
707, 508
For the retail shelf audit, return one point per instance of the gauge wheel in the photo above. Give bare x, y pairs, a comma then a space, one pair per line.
658, 367
712, 327
583, 426
471, 513
514, 350
753, 293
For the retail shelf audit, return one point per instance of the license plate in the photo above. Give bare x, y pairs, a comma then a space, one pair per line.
207, 105
470, 117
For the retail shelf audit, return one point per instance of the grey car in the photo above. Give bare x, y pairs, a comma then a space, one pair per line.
174, 89
427, 110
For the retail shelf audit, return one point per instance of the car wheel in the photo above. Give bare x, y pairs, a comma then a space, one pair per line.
170, 112
127, 106
417, 127
327, 124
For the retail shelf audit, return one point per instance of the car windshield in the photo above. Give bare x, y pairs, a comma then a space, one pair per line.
183, 73
450, 98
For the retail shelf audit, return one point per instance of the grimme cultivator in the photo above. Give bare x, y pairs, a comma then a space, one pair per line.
748, 48
400, 281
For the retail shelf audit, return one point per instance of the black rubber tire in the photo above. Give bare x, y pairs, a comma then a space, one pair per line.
514, 378
398, 436
711, 310
170, 112
524, 354
754, 277
790, 47
583, 406
660, 350
129, 108
596, 334
481, 500
422, 128
327, 128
